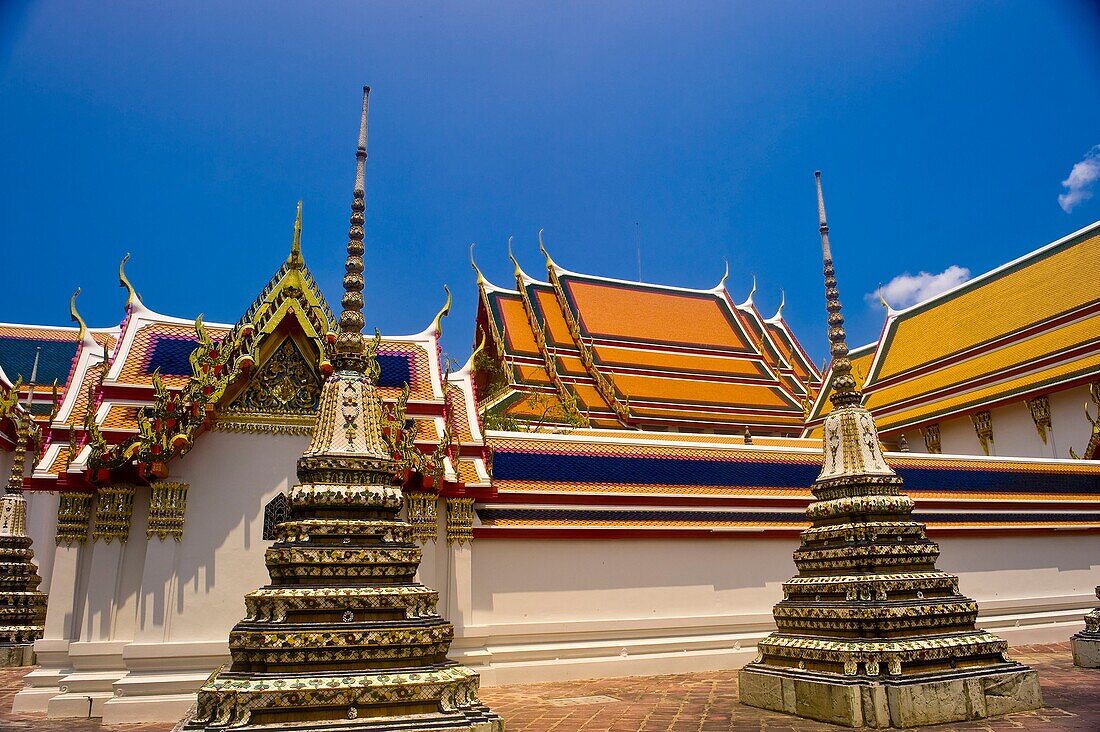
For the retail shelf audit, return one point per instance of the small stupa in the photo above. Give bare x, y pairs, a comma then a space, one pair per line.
870, 633
343, 638
1086, 644
22, 606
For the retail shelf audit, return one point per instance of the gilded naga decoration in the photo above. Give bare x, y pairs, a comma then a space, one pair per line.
343, 637
870, 633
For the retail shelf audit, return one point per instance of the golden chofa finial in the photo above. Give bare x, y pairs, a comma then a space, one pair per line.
75, 316
515, 263
482, 339
550, 263
437, 324
132, 297
295, 258
882, 301
480, 277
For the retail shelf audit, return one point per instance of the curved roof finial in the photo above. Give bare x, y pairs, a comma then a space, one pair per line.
295, 259
782, 304
349, 342
725, 276
542, 248
845, 392
480, 277
132, 297
882, 301
748, 300
75, 316
481, 341
437, 324
515, 263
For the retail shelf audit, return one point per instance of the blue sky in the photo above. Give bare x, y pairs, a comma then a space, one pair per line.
185, 133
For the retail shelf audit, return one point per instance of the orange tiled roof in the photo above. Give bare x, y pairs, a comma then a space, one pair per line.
654, 355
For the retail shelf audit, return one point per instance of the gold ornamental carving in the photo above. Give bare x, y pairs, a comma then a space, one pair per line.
932, 438
282, 396
114, 507
1040, 415
422, 512
983, 427
73, 513
167, 506
460, 520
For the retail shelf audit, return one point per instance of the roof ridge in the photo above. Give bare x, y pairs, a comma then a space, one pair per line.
1001, 269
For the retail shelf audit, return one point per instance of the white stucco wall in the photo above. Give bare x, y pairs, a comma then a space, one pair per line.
1014, 433
199, 587
137, 627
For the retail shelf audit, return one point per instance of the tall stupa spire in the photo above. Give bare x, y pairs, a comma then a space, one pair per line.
343, 637
844, 384
349, 342
870, 633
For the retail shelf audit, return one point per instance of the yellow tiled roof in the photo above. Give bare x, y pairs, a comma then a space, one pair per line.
1031, 324
1035, 290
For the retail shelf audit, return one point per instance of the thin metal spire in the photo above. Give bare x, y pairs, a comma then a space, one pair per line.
845, 392
295, 258
34, 377
349, 343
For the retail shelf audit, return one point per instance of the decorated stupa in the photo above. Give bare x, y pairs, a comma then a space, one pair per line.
22, 606
870, 633
343, 638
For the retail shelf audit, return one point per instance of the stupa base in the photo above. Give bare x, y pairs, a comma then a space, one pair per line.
1086, 649
888, 703
16, 654
469, 720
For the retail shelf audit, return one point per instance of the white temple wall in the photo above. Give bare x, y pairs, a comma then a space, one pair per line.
1014, 433
192, 591
231, 478
42, 528
134, 629
957, 437
569, 609
1067, 417
544, 609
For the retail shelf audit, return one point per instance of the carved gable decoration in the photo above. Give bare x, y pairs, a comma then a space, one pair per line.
281, 396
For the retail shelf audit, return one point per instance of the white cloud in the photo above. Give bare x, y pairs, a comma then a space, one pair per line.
1080, 180
907, 289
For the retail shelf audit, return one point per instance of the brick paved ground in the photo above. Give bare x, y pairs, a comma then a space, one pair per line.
703, 702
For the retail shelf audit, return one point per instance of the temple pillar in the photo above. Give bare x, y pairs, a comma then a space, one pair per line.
109, 603
62, 622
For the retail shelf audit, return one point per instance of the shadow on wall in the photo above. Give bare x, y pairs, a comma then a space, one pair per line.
231, 477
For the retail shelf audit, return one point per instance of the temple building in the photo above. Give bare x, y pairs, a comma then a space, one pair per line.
652, 435
1010, 373
579, 350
